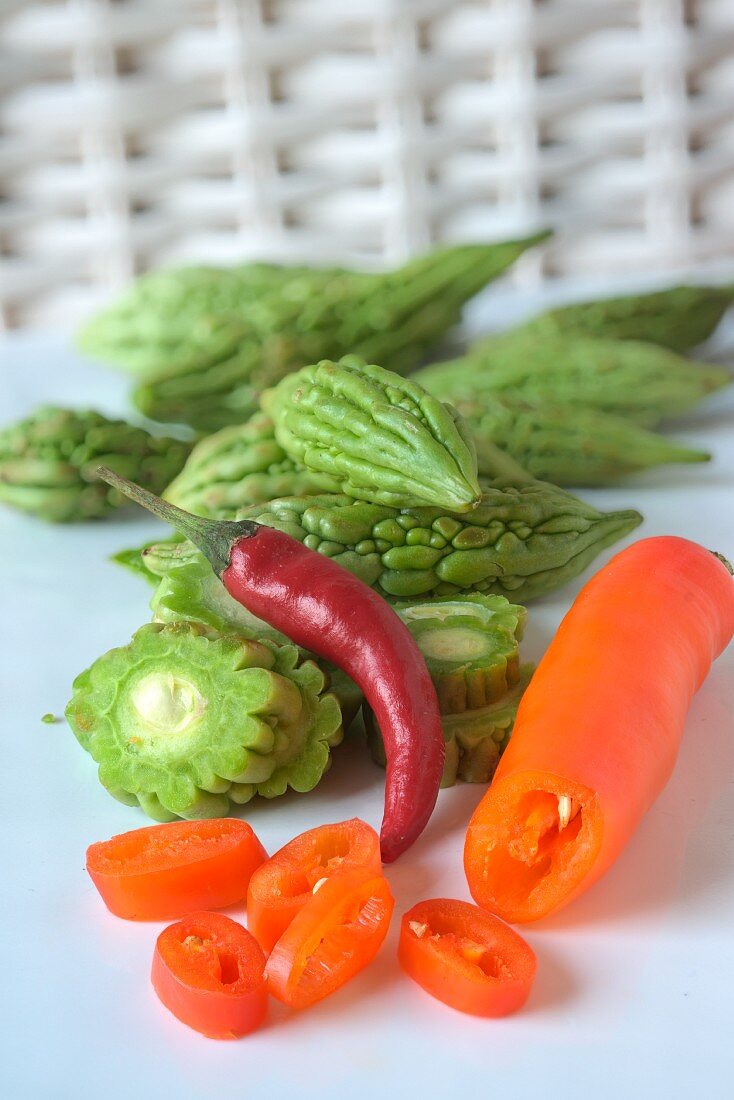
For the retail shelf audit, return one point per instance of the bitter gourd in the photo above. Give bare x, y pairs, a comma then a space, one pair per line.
394, 319
474, 739
48, 463
240, 465
576, 446
643, 382
470, 644
376, 436
164, 310
521, 541
184, 722
679, 317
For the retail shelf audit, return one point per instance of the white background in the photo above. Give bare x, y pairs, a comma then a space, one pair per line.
634, 989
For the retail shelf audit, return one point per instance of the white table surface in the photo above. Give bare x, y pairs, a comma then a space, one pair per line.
635, 982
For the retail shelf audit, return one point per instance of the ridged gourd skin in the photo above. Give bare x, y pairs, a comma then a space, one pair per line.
679, 317
641, 382
378, 437
474, 739
470, 644
238, 466
520, 541
164, 311
215, 378
48, 463
184, 722
573, 447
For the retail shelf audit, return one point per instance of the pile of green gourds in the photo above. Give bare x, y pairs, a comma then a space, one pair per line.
441, 491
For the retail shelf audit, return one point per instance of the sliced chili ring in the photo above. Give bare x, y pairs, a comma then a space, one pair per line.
334, 936
210, 973
165, 871
283, 885
466, 957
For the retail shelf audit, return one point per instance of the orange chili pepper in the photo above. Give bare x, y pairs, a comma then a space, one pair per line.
598, 729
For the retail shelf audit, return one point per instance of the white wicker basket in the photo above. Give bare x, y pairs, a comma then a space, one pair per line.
146, 132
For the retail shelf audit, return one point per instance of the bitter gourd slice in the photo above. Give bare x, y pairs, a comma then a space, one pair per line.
184, 722
470, 644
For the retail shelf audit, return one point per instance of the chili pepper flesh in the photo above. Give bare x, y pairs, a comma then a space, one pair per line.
325, 609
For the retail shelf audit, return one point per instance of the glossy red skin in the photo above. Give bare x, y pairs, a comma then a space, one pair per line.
196, 986
325, 609
282, 885
434, 960
166, 871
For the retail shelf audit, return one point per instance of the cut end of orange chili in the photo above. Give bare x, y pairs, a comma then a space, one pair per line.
336, 934
531, 843
281, 887
466, 958
210, 973
165, 871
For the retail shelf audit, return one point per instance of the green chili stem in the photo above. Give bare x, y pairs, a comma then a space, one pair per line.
214, 538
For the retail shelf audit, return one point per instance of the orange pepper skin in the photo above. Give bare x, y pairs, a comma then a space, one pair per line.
336, 934
210, 973
165, 871
598, 730
281, 887
466, 957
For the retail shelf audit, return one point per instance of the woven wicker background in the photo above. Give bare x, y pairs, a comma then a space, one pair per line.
146, 132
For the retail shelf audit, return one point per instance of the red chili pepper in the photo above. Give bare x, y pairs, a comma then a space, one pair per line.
465, 957
166, 871
286, 882
322, 607
210, 973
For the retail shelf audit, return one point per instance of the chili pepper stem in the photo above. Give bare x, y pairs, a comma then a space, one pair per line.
214, 538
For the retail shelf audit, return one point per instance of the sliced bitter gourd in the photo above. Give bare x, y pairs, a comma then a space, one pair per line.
470, 644
183, 721
474, 739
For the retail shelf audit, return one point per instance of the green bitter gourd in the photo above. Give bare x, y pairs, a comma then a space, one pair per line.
565, 446
185, 722
642, 382
48, 463
394, 319
376, 436
679, 317
240, 465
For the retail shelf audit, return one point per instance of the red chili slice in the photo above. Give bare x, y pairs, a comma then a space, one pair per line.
210, 973
334, 936
282, 885
166, 871
466, 957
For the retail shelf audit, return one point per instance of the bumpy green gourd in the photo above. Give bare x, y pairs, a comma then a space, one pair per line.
164, 310
49, 460
520, 541
378, 437
642, 382
215, 378
575, 446
185, 722
240, 465
474, 739
470, 644
680, 317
